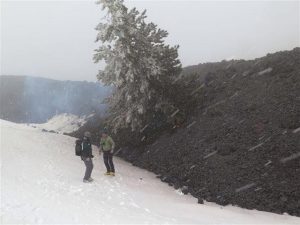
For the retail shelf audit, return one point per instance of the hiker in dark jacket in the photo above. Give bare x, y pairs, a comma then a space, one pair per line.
107, 146
86, 156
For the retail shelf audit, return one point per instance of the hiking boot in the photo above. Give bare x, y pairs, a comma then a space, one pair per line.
112, 173
90, 179
107, 173
85, 181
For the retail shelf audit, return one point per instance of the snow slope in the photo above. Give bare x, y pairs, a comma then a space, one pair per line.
41, 182
63, 123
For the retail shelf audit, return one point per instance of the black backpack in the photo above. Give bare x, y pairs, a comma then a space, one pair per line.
78, 147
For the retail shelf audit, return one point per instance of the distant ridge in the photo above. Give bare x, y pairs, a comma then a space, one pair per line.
26, 99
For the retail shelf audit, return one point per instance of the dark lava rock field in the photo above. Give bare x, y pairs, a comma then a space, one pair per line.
240, 145
240, 141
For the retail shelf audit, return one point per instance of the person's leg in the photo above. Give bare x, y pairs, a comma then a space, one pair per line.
111, 163
89, 167
105, 159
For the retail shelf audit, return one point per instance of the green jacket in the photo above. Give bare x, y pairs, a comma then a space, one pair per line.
107, 144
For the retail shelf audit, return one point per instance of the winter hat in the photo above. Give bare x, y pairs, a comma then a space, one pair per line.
104, 130
87, 134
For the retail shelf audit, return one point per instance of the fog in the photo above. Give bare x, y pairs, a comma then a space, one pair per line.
55, 39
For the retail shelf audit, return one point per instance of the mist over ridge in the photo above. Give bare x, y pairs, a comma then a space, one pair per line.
28, 99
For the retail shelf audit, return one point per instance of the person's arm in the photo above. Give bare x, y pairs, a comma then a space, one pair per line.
91, 150
112, 144
100, 147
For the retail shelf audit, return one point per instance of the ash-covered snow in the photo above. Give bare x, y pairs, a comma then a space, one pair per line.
63, 123
41, 182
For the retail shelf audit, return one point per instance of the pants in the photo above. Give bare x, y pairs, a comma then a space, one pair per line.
108, 161
89, 167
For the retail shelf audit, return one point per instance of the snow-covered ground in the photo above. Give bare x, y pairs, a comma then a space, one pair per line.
41, 182
63, 123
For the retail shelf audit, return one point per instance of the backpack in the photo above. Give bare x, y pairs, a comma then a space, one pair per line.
78, 147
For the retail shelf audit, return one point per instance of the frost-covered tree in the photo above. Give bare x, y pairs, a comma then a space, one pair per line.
139, 65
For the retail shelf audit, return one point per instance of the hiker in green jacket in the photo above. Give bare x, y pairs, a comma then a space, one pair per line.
107, 146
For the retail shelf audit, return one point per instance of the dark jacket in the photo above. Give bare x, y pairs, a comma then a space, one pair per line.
86, 148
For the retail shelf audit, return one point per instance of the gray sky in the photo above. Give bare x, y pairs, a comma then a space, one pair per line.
55, 39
